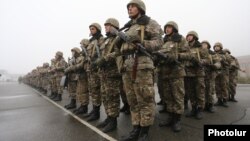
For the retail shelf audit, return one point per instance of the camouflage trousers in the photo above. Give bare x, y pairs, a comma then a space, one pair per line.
123, 94
95, 88
82, 93
160, 86
221, 86
110, 92
58, 87
210, 87
195, 90
53, 85
72, 89
232, 83
141, 96
45, 83
173, 90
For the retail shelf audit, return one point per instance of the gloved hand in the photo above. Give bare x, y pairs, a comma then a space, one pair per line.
100, 62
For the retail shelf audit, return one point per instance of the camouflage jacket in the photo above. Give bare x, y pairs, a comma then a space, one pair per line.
93, 52
175, 50
60, 65
225, 62
152, 41
196, 68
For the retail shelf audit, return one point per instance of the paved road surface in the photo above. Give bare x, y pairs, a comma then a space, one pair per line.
25, 115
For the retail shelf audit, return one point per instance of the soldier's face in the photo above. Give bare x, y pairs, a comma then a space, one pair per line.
204, 45
107, 28
190, 38
169, 30
93, 30
216, 48
133, 11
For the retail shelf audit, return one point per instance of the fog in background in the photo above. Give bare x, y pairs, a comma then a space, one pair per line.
31, 31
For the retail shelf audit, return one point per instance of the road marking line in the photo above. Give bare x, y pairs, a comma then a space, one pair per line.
98, 131
14, 96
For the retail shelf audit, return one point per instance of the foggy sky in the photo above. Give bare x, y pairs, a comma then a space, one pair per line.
31, 31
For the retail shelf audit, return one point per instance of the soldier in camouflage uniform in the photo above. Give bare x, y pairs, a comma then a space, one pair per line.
172, 72
60, 65
93, 50
233, 75
221, 81
110, 78
194, 81
52, 79
45, 79
72, 81
137, 68
210, 71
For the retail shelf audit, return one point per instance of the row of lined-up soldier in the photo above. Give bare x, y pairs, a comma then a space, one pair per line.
125, 63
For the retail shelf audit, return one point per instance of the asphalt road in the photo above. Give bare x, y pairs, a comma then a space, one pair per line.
26, 115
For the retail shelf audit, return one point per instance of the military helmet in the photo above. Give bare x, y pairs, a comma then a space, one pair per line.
53, 60
76, 49
195, 34
59, 53
139, 3
205, 41
227, 50
173, 24
46, 64
96, 25
114, 22
218, 44
84, 42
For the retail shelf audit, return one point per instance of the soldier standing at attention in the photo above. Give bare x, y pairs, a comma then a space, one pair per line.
93, 50
137, 68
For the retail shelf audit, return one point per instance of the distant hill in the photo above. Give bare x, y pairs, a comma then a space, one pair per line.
245, 65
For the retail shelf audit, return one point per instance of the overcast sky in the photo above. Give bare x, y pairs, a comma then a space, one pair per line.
31, 31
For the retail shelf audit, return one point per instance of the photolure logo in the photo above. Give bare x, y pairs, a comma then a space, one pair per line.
241, 132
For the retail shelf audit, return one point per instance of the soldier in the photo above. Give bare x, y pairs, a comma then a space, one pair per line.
60, 65
93, 50
210, 71
221, 81
194, 83
172, 72
45, 79
110, 78
233, 75
71, 79
137, 67
52, 79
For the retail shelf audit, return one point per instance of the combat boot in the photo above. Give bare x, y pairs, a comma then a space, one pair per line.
186, 104
176, 127
124, 108
58, 98
233, 99
211, 108
144, 136
219, 102
192, 113
83, 109
199, 114
53, 95
103, 123
95, 115
168, 122
111, 126
224, 103
71, 105
133, 135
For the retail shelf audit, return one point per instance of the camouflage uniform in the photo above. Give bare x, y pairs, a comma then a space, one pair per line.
172, 72
44, 76
233, 75
52, 78
222, 79
93, 50
60, 65
138, 83
194, 81
110, 79
210, 75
